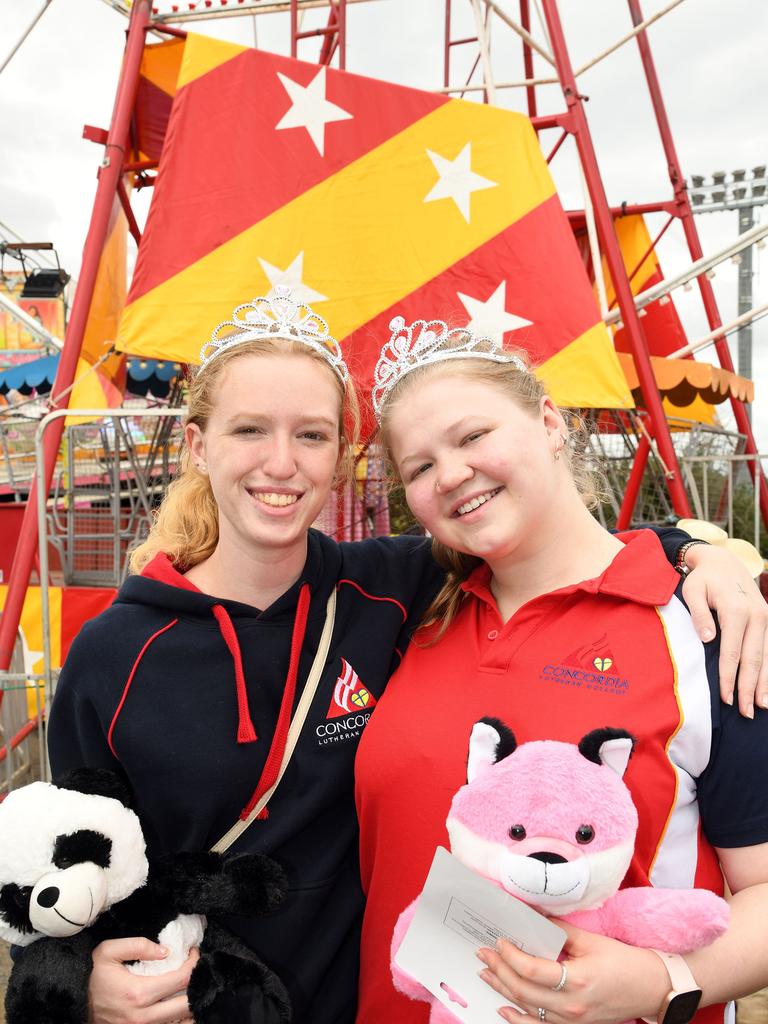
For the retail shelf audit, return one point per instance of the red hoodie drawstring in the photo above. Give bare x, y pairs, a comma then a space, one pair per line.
280, 739
245, 730
161, 569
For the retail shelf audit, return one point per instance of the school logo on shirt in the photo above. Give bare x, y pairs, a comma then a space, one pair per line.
589, 667
349, 694
349, 710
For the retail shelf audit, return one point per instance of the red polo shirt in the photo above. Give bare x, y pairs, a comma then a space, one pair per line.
618, 650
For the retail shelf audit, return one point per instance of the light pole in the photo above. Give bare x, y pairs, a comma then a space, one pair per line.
741, 194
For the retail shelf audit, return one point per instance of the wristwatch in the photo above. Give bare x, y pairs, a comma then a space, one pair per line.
682, 551
682, 1001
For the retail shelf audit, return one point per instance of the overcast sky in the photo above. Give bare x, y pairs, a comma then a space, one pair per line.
710, 56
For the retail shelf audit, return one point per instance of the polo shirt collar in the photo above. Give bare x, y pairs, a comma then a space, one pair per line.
640, 573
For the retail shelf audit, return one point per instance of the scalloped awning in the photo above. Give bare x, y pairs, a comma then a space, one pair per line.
38, 375
683, 380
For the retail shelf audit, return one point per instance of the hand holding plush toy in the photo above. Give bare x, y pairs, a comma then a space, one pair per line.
554, 825
74, 871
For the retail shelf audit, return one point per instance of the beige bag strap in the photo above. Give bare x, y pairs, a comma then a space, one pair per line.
294, 731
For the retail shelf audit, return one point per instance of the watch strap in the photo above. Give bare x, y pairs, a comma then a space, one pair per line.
678, 970
680, 976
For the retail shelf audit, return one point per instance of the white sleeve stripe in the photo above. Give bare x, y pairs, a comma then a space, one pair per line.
674, 865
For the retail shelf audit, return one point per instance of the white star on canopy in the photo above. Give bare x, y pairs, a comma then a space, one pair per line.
292, 276
310, 109
491, 317
457, 180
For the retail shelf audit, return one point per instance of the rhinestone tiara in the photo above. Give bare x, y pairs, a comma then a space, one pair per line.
276, 316
429, 341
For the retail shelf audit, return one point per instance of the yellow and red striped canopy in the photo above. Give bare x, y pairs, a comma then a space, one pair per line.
370, 199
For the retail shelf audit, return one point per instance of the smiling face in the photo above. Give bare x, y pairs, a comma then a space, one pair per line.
271, 447
478, 468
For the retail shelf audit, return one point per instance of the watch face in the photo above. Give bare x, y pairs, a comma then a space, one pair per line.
682, 1007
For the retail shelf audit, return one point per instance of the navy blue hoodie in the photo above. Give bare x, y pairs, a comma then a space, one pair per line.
151, 687
170, 716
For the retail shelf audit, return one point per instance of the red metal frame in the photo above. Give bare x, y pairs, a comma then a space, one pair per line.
125, 202
334, 34
530, 90
685, 213
108, 178
574, 123
614, 260
634, 482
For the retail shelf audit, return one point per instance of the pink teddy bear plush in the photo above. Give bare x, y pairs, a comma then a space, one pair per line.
554, 825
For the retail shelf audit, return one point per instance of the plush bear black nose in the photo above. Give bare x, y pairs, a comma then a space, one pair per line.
47, 897
548, 858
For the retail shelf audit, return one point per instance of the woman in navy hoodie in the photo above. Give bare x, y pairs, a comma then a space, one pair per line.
188, 683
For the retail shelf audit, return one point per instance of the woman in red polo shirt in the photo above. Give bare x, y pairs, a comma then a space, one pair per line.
536, 592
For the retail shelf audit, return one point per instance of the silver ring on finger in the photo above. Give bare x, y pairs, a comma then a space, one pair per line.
563, 978
542, 1014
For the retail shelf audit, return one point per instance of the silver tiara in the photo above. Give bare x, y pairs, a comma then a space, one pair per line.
276, 316
424, 342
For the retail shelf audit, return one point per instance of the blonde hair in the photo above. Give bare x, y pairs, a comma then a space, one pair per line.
186, 526
527, 390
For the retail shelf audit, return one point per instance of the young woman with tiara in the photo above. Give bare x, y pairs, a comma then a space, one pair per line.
196, 681
537, 594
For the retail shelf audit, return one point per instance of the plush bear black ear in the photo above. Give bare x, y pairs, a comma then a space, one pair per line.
489, 742
610, 747
97, 782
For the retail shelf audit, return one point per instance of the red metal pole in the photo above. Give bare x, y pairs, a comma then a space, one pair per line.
628, 209
635, 479
552, 121
694, 245
615, 261
20, 736
342, 36
125, 202
331, 40
109, 176
557, 145
530, 90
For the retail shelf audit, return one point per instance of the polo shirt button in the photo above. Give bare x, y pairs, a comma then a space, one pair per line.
493, 634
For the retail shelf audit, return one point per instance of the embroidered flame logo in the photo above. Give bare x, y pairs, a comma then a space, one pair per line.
349, 694
602, 664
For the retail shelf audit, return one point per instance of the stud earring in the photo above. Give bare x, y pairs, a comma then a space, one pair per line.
203, 467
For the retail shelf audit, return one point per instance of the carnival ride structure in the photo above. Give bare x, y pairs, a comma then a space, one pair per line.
608, 339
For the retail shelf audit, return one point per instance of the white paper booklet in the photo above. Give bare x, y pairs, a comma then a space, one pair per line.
459, 912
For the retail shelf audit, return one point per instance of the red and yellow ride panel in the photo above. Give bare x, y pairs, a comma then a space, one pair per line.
370, 199
69, 608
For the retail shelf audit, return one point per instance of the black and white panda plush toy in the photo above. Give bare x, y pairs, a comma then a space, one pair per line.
74, 871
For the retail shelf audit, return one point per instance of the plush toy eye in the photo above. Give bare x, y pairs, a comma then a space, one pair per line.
81, 846
585, 834
517, 832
